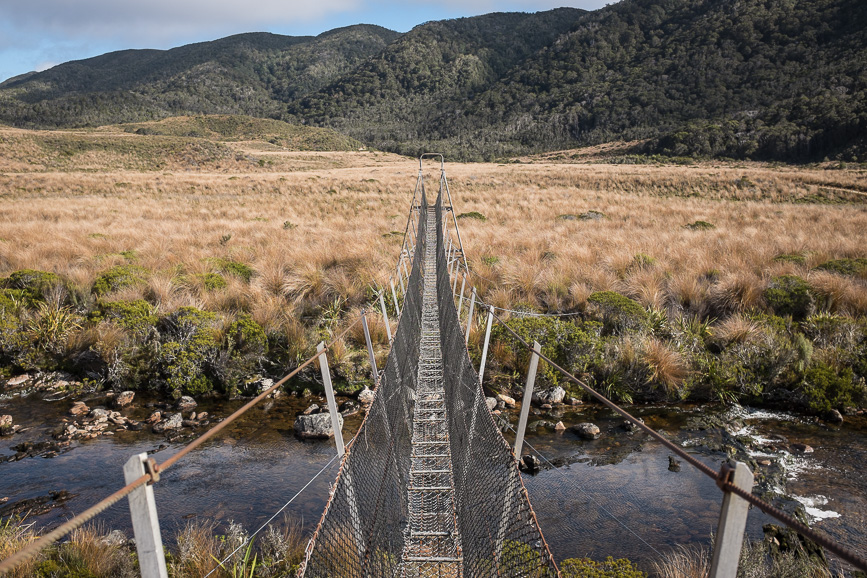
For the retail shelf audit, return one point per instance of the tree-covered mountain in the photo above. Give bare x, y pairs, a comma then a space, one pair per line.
770, 79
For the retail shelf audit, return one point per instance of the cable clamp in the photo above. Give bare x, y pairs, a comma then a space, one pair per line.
153, 470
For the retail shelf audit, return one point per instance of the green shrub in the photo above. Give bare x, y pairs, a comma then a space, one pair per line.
619, 313
29, 286
245, 336
853, 267
642, 261
188, 352
138, 316
592, 216
473, 215
213, 281
700, 226
117, 278
236, 268
790, 258
789, 295
825, 388
610, 568
576, 348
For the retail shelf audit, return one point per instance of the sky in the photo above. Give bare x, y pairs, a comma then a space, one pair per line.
39, 34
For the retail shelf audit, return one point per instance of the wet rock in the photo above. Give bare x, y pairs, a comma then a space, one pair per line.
785, 540
546, 406
630, 426
18, 381
574, 401
5, 425
124, 398
189, 423
850, 411
99, 414
311, 410
78, 408
673, 464
530, 464
587, 431
507, 401
764, 462
203, 415
175, 421
833, 416
348, 408
155, 417
366, 396
263, 383
316, 426
186, 403
550, 396
801, 449
134, 425
559, 426
491, 403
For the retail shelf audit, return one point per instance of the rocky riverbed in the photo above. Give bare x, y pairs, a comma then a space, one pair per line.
599, 486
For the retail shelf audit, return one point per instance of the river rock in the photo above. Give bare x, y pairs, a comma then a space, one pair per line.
559, 426
550, 396
629, 425
316, 426
5, 425
573, 401
530, 464
18, 381
124, 398
186, 403
366, 396
833, 416
203, 415
175, 421
801, 449
99, 414
78, 408
587, 431
491, 402
155, 417
311, 410
348, 408
673, 464
507, 401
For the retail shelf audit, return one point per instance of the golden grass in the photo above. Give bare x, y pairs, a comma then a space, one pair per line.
89, 215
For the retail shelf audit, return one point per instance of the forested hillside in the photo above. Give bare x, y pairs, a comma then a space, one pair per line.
763, 79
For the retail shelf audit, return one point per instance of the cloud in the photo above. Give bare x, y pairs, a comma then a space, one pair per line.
159, 22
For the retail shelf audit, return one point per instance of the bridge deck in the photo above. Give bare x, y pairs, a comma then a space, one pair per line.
432, 544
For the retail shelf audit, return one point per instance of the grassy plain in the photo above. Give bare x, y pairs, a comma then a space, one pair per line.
692, 244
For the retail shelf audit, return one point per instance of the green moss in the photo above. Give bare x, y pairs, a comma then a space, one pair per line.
473, 215
117, 278
236, 268
853, 267
137, 316
29, 286
245, 336
618, 312
791, 296
609, 568
700, 226
213, 281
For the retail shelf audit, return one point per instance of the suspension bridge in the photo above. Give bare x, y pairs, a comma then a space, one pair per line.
428, 486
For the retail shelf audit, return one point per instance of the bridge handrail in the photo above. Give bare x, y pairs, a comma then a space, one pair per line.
153, 469
722, 478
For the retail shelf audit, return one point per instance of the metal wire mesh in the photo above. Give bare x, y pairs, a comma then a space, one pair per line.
428, 487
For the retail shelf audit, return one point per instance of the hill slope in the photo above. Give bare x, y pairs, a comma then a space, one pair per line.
766, 79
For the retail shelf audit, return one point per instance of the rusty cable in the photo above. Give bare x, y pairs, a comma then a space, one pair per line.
722, 478
35, 547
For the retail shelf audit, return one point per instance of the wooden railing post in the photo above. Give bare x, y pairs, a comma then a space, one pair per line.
732, 522
528, 399
145, 523
487, 341
329, 395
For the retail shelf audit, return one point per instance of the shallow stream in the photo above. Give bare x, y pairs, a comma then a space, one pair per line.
613, 496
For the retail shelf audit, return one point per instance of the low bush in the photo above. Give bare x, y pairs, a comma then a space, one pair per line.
852, 267
618, 312
473, 215
609, 568
789, 295
213, 281
187, 354
29, 286
137, 316
235, 268
117, 278
825, 388
700, 226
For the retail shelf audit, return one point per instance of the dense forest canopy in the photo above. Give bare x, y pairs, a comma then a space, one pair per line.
764, 79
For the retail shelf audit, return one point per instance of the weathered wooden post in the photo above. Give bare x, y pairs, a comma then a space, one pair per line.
470, 316
385, 315
369, 347
329, 395
732, 522
145, 522
487, 341
528, 398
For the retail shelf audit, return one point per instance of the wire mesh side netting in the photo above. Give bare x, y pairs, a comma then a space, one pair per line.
361, 530
499, 532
